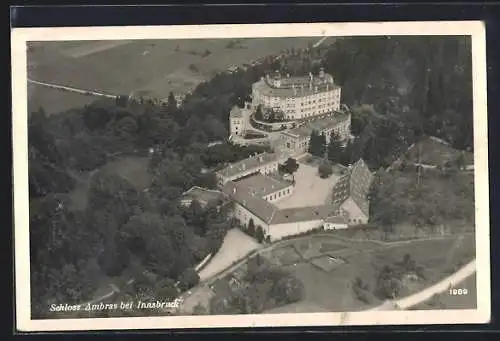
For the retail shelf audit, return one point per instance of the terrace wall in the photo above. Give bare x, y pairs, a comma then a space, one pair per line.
279, 231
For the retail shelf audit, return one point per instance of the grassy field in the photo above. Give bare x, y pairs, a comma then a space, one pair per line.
432, 152
54, 100
328, 283
447, 301
134, 169
144, 67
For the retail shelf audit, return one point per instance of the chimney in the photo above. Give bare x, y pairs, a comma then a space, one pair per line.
234, 190
321, 72
287, 75
261, 158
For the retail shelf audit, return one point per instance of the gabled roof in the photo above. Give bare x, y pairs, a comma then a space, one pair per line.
262, 185
319, 125
258, 206
203, 195
355, 185
249, 163
236, 112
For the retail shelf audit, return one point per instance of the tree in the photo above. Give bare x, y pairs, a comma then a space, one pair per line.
460, 161
251, 227
388, 283
313, 143
334, 148
188, 279
258, 113
259, 234
165, 289
317, 144
200, 309
287, 289
346, 157
290, 166
193, 68
171, 103
325, 170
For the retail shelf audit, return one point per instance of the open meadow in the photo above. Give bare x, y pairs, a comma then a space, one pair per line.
328, 269
149, 68
133, 169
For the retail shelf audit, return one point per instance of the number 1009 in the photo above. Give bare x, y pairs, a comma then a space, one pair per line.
458, 292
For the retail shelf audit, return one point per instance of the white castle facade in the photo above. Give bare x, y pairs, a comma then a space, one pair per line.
297, 97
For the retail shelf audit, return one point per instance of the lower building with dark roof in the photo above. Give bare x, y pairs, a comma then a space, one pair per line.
253, 199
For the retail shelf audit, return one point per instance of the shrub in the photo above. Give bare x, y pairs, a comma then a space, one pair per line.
188, 279
251, 228
259, 234
325, 170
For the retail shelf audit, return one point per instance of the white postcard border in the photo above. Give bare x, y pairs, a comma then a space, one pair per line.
19, 37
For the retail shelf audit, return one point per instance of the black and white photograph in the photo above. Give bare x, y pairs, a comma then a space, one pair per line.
278, 174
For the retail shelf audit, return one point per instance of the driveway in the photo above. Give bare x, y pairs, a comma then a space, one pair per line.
310, 189
236, 246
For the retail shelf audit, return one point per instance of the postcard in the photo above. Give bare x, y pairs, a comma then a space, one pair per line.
214, 176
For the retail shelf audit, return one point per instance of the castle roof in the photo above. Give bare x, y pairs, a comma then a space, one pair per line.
355, 185
262, 185
256, 205
295, 86
318, 125
252, 162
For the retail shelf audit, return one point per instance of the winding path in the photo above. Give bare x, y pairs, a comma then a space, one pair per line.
412, 300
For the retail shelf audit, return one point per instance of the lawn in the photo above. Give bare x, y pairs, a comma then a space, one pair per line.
134, 169
144, 67
433, 152
55, 101
283, 256
332, 291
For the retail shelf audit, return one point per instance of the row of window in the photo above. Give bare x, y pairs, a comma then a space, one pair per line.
278, 195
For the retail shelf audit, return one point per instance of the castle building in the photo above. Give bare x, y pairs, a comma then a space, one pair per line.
255, 196
351, 193
264, 163
297, 97
297, 139
238, 119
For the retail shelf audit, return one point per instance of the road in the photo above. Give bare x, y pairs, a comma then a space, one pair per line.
69, 88
438, 288
319, 42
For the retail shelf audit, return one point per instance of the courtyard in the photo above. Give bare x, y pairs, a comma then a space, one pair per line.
310, 189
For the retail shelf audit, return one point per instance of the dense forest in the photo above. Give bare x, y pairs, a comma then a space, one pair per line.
397, 88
